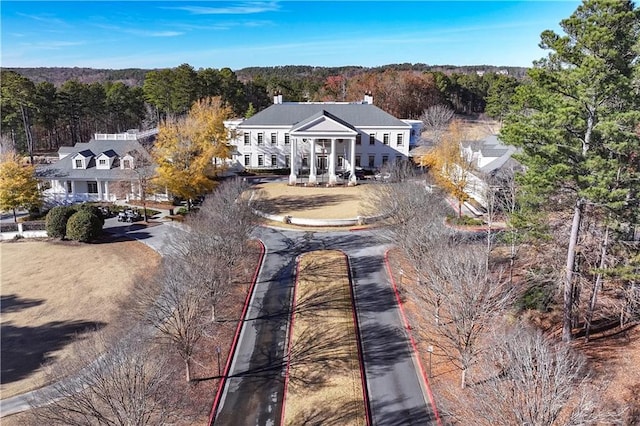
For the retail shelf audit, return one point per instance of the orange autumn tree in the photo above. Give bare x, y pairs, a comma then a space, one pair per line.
449, 167
188, 146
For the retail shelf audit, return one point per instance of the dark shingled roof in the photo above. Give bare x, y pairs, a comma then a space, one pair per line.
63, 168
110, 153
289, 114
86, 153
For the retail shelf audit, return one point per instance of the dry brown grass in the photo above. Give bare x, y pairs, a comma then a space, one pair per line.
325, 386
338, 202
53, 292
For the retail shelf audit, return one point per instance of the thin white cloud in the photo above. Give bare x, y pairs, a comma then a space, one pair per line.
154, 33
219, 26
241, 9
43, 18
140, 33
53, 45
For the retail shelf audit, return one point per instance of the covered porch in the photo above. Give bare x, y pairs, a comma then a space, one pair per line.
324, 145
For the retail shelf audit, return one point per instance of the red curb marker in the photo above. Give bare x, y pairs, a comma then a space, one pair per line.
413, 342
234, 344
356, 324
289, 340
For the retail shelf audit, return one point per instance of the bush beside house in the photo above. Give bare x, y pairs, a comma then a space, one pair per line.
80, 223
56, 221
84, 226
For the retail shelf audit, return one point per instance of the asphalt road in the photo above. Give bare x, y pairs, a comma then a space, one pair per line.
254, 391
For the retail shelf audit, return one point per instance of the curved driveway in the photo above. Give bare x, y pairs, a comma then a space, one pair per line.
254, 390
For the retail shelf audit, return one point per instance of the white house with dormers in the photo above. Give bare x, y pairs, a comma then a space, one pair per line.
104, 169
314, 138
490, 157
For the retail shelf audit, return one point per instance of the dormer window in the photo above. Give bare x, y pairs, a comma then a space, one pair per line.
78, 164
126, 164
102, 162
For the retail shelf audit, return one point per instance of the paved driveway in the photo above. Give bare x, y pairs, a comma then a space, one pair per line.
253, 394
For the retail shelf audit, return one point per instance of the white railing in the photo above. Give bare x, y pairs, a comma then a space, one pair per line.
115, 136
124, 136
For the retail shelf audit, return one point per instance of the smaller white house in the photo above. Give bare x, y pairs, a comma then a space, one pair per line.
489, 156
107, 168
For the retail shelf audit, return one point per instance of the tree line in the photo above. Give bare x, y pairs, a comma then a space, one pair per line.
42, 116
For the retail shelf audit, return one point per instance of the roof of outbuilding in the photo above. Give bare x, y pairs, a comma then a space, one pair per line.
355, 114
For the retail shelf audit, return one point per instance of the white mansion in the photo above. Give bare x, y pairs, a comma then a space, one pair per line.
313, 137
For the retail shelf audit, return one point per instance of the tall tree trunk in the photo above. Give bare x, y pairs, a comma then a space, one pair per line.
568, 283
463, 378
27, 131
187, 366
596, 285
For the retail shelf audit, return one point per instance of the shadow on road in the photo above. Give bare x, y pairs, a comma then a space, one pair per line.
389, 416
384, 346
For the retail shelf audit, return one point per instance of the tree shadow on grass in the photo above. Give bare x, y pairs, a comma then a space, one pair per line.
285, 204
352, 412
318, 353
25, 349
10, 303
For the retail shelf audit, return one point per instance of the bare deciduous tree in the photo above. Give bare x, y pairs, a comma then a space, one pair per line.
216, 239
123, 381
465, 299
176, 312
415, 213
526, 379
436, 120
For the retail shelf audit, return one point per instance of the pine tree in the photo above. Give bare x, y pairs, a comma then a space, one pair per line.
576, 119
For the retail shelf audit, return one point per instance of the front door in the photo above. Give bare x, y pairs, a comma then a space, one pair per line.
322, 163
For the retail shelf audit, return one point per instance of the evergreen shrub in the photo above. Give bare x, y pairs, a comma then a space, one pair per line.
84, 226
56, 221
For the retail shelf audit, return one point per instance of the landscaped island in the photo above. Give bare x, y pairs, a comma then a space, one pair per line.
324, 383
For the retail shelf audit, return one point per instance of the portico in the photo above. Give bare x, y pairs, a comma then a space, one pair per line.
317, 131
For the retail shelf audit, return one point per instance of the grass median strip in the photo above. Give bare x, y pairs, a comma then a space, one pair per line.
324, 381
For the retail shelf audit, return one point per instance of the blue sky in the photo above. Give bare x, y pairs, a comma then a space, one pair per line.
217, 34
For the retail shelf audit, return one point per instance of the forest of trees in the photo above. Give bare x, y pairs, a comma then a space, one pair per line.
45, 108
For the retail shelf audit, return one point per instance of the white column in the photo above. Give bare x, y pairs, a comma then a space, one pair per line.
312, 165
73, 188
332, 163
353, 180
293, 162
106, 190
99, 189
